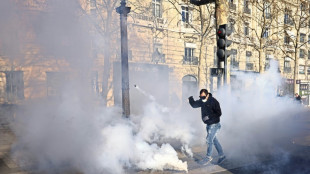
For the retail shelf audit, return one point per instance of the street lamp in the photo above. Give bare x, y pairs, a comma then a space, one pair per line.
123, 11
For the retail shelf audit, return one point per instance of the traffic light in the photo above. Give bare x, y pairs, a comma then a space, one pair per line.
223, 43
201, 2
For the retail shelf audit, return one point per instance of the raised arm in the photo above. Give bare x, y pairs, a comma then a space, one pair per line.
193, 103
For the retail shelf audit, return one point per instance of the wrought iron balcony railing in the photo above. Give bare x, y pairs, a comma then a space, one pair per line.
190, 60
287, 69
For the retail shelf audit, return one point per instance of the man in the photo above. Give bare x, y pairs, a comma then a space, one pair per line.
210, 114
298, 98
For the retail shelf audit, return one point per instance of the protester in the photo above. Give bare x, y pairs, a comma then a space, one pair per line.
210, 114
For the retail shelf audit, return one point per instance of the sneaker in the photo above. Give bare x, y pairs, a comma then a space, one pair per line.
221, 159
206, 161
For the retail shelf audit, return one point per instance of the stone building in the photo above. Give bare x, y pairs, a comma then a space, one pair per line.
171, 43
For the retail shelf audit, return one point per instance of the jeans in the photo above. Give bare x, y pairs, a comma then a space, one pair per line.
211, 139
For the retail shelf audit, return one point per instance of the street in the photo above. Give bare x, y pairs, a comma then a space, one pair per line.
291, 156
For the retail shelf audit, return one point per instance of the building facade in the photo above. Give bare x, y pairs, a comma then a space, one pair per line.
170, 42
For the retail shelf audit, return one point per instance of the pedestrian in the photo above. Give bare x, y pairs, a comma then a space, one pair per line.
210, 114
298, 98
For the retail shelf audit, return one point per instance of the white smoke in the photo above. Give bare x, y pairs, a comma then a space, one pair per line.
255, 120
66, 135
75, 133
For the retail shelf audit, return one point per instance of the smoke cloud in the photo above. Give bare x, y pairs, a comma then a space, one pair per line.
73, 132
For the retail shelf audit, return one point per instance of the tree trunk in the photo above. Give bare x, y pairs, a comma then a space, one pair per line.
199, 63
261, 63
296, 70
106, 63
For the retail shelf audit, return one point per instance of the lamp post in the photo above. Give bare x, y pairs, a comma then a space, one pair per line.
123, 11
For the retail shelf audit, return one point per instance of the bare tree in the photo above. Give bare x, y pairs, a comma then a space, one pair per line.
296, 19
263, 34
105, 23
203, 25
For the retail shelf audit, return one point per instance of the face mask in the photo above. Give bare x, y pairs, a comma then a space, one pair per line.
202, 97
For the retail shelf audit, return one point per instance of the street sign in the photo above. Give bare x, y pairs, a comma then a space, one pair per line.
297, 81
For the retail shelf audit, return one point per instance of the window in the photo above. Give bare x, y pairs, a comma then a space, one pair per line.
234, 64
302, 37
266, 33
189, 52
249, 64
301, 69
304, 87
248, 56
232, 5
186, 16
189, 56
246, 4
302, 7
230, 25
287, 39
287, 18
309, 54
287, 65
308, 70
309, 39
267, 61
246, 29
267, 10
14, 85
158, 55
246, 8
302, 53
156, 6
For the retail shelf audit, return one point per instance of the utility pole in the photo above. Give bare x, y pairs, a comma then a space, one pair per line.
123, 11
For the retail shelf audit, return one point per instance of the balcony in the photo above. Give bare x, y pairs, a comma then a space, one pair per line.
249, 66
247, 10
232, 6
190, 60
148, 18
287, 69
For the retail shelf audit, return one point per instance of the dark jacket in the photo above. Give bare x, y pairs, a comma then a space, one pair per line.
210, 110
298, 99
